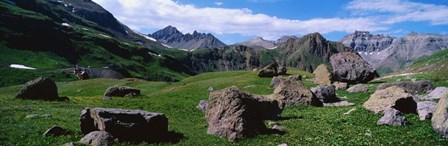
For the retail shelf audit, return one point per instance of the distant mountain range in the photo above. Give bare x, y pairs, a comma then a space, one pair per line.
176, 39
268, 44
388, 53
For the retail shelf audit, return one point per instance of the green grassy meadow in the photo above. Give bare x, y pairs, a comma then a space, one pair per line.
304, 125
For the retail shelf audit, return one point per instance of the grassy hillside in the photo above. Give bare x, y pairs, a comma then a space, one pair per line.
304, 125
32, 34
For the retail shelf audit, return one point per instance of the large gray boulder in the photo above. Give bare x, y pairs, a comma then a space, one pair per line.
439, 119
233, 113
121, 91
358, 88
410, 87
325, 94
126, 125
277, 80
97, 138
393, 117
394, 97
425, 109
290, 93
42, 88
436, 93
351, 68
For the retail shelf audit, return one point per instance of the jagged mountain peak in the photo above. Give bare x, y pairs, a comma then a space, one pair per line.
171, 36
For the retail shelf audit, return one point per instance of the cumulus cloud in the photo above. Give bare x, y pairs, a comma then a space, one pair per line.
156, 14
395, 11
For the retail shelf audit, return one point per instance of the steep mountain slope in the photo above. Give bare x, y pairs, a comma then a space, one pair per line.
437, 62
308, 52
389, 53
61, 38
174, 38
268, 44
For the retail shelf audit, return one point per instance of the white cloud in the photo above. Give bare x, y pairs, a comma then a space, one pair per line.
219, 3
151, 14
395, 11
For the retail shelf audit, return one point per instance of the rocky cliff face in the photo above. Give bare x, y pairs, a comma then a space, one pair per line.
387, 53
174, 38
363, 41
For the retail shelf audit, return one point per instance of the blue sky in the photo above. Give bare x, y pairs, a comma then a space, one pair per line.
234, 21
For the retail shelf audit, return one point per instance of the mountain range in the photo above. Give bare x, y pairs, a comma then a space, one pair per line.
388, 53
268, 44
176, 39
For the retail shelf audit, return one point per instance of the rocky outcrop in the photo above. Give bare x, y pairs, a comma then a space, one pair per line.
42, 88
277, 80
351, 68
393, 117
233, 113
410, 87
425, 109
325, 94
394, 97
322, 75
174, 38
358, 88
97, 138
439, 119
126, 125
290, 93
121, 91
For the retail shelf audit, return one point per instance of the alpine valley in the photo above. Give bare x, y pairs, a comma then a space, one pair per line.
72, 74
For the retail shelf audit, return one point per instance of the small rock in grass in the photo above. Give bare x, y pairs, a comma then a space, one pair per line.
202, 105
283, 144
47, 115
210, 89
368, 133
32, 116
